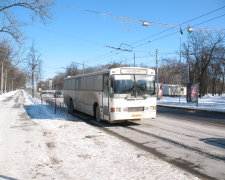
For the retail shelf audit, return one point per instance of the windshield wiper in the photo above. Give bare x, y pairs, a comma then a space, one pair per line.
136, 91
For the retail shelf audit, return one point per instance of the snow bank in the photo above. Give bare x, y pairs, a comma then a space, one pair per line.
210, 103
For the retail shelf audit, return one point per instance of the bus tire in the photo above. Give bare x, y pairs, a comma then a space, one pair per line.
97, 114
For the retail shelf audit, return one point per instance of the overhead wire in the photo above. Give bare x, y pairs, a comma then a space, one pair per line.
176, 31
70, 36
179, 31
164, 24
138, 20
179, 24
172, 28
159, 37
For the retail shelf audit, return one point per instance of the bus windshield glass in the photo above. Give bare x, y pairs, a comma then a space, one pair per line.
126, 86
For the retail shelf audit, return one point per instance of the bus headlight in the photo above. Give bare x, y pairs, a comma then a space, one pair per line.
125, 109
146, 108
118, 109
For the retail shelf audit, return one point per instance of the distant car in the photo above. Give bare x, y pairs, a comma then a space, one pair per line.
58, 94
44, 94
47, 94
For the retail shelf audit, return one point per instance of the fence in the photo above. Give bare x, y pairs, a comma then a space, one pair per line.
52, 102
58, 106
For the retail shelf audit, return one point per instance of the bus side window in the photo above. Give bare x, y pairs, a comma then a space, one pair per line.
65, 84
73, 84
90, 83
98, 86
79, 84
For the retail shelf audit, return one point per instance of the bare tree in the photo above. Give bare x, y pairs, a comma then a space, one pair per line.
44, 85
33, 65
201, 52
16, 79
11, 25
58, 81
73, 69
5, 63
11, 77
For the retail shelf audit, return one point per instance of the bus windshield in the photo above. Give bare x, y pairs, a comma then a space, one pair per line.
125, 86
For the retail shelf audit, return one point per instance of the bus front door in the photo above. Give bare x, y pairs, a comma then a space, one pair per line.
105, 98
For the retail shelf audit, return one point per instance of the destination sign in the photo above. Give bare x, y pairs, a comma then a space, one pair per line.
133, 71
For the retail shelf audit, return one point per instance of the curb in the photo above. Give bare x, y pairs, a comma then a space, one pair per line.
188, 108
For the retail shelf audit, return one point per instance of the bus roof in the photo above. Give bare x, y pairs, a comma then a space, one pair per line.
88, 74
119, 70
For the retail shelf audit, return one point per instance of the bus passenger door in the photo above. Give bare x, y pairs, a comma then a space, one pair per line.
105, 97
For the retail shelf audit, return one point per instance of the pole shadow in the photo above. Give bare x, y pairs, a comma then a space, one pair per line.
218, 142
7, 177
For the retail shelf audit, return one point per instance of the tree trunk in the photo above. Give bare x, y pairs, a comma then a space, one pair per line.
2, 79
6, 73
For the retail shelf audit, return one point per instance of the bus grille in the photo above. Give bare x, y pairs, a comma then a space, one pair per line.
135, 109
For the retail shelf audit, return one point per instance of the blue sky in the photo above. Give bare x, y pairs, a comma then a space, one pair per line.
74, 35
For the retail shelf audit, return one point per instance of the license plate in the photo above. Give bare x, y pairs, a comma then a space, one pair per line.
136, 115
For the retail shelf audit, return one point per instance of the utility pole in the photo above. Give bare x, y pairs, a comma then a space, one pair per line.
134, 59
157, 73
188, 58
83, 66
180, 71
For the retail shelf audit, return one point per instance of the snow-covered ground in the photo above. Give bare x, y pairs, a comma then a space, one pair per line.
35, 143
209, 103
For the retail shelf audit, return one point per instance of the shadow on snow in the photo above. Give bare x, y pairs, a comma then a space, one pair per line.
43, 112
218, 142
6, 177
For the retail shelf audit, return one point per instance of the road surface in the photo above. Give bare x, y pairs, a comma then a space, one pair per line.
194, 141
36, 143
216, 118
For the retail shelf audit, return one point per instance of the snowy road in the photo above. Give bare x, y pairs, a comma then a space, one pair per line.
197, 147
35, 143
202, 116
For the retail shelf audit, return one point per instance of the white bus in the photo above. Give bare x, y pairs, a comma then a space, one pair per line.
118, 94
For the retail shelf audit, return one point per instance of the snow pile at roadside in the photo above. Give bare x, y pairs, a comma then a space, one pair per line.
8, 94
34, 100
44, 145
210, 103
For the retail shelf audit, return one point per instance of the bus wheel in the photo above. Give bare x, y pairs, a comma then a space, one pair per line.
71, 107
97, 114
